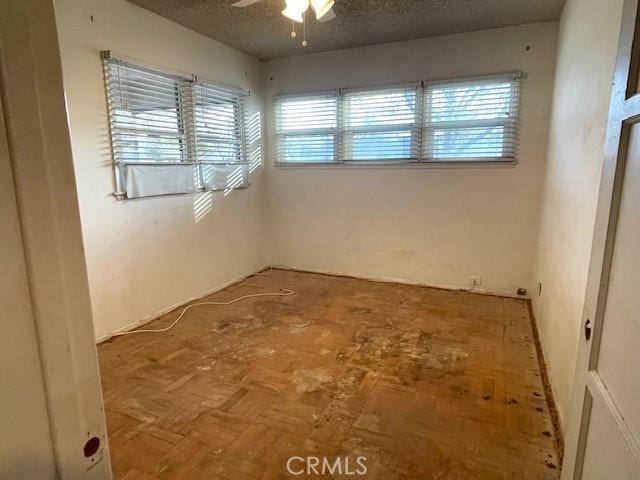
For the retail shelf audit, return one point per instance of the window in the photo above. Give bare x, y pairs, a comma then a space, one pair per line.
381, 125
146, 123
220, 146
306, 128
171, 134
456, 121
218, 130
473, 120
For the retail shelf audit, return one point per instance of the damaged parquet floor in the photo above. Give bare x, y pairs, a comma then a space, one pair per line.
422, 383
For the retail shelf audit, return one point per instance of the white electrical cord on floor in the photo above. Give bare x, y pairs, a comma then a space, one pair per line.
284, 292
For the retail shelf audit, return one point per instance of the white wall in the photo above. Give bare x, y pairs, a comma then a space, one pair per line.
433, 226
587, 43
145, 255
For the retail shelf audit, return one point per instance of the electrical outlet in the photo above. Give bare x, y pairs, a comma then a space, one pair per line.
476, 281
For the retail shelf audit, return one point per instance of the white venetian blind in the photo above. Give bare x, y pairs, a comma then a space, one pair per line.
145, 115
381, 125
471, 120
217, 117
306, 128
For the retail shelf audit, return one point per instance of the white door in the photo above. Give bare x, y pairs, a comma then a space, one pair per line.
51, 414
604, 430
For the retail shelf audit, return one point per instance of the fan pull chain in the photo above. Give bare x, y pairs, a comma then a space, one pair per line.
304, 29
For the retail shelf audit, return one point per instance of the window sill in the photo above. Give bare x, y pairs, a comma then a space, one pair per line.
394, 165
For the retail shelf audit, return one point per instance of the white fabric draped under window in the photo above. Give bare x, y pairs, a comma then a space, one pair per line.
171, 134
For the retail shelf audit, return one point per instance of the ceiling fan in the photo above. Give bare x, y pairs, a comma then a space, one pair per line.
295, 9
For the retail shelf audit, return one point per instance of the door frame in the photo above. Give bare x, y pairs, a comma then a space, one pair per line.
41, 164
624, 101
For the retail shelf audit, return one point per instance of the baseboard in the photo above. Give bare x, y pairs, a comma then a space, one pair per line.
548, 390
382, 279
164, 311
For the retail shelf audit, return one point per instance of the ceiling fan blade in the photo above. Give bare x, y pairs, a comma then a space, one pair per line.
244, 3
330, 15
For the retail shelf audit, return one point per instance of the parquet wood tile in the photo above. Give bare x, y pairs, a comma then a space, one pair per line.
423, 383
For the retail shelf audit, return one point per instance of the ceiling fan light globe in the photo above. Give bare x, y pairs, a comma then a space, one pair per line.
295, 10
295, 15
322, 7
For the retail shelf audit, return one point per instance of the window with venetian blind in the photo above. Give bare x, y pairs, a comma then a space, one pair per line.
473, 120
171, 134
381, 124
453, 121
307, 128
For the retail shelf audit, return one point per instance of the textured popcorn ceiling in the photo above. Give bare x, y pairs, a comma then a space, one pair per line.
262, 31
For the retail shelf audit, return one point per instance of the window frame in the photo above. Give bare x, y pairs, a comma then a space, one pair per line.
419, 129
186, 105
